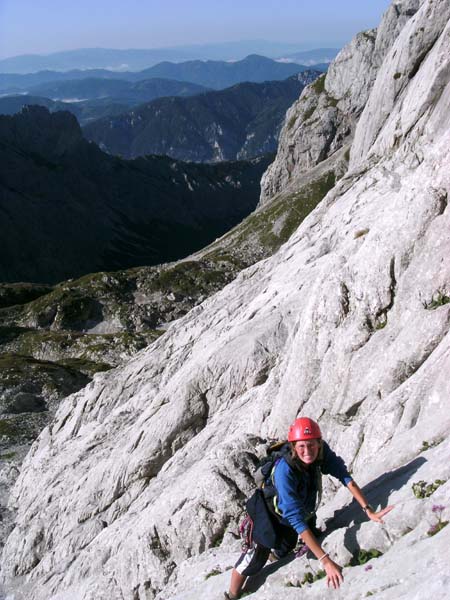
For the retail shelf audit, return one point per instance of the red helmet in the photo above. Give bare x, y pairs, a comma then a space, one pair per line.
303, 429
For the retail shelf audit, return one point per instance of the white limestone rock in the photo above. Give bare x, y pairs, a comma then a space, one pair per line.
135, 490
324, 118
421, 46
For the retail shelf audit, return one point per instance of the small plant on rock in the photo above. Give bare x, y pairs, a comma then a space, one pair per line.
426, 445
439, 299
363, 556
360, 233
291, 122
213, 573
422, 489
308, 578
437, 510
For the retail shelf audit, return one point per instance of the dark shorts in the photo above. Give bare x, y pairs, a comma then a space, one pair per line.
254, 559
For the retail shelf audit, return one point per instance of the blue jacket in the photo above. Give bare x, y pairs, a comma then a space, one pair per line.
297, 489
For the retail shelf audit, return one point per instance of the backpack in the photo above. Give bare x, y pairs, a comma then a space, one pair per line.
266, 465
258, 524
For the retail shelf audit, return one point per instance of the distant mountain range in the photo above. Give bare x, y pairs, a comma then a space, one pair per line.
106, 97
211, 74
220, 74
313, 58
116, 90
137, 60
87, 111
80, 210
240, 122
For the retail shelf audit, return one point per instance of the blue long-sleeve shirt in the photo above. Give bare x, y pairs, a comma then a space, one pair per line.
297, 490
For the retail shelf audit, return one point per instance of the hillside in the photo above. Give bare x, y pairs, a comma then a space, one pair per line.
81, 210
89, 110
221, 74
91, 99
116, 90
238, 123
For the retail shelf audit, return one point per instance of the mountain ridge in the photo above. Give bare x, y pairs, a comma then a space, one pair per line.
139, 59
209, 73
72, 188
240, 122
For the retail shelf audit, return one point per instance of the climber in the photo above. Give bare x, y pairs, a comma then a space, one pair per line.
288, 511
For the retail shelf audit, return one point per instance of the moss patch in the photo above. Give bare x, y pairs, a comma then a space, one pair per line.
7, 456
188, 278
288, 212
8, 429
331, 101
85, 366
309, 113
291, 122
319, 84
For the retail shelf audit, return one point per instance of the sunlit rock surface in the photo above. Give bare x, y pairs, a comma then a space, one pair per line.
135, 490
323, 119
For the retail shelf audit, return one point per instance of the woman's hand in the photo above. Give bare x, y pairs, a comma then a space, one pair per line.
378, 516
334, 573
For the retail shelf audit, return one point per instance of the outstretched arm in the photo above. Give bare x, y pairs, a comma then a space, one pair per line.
357, 494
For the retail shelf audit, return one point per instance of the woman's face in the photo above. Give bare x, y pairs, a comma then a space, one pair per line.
307, 450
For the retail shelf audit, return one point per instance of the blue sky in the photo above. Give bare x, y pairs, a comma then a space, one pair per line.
44, 26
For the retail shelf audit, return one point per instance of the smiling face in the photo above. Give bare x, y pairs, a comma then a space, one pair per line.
307, 450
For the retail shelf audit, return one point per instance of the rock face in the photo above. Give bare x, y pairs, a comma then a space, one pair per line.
144, 473
323, 119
